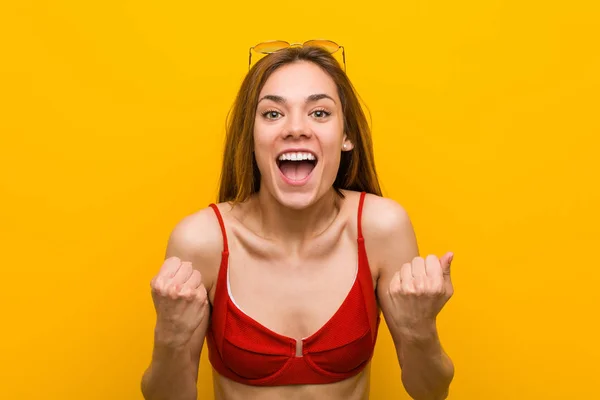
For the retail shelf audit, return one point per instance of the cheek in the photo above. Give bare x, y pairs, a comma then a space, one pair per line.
331, 134
331, 142
332, 152
262, 150
333, 163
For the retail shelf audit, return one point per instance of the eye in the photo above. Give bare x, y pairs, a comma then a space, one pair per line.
320, 114
271, 114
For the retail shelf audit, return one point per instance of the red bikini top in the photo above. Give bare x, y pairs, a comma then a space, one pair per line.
242, 349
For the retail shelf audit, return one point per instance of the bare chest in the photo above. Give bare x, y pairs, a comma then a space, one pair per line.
291, 296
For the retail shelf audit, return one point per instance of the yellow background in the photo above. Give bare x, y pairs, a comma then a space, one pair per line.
486, 128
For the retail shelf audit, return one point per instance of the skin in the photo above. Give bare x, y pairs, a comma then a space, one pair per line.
294, 249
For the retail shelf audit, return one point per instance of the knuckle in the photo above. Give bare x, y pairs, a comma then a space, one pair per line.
187, 265
187, 295
157, 285
173, 291
395, 287
195, 277
169, 262
201, 295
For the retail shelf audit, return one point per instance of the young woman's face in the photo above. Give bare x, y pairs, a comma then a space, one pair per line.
299, 134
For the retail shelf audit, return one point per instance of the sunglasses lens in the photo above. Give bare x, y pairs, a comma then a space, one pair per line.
270, 47
328, 45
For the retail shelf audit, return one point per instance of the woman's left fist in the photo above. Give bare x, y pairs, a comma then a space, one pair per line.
419, 291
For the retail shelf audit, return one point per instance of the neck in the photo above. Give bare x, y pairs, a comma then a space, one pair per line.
296, 226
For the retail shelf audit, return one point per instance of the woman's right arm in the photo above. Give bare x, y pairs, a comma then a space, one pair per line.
180, 296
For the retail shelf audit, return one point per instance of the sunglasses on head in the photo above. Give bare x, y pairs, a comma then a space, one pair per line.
276, 45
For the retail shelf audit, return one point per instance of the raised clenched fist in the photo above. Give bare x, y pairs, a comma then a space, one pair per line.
419, 291
180, 300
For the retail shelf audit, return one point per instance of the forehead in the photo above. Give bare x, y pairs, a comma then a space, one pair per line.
299, 79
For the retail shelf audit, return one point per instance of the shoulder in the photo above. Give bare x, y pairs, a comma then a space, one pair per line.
382, 217
388, 231
197, 238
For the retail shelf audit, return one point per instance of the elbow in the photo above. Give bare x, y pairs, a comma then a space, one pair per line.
429, 396
144, 384
429, 390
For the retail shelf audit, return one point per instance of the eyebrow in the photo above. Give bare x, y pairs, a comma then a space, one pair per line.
310, 99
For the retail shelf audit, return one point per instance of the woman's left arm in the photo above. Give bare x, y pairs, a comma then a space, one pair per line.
411, 291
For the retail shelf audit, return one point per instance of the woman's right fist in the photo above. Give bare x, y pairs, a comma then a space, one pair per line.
180, 301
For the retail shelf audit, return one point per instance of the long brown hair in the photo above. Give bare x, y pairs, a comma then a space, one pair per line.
240, 177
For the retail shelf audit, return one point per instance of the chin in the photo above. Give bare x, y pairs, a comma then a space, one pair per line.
296, 201
294, 197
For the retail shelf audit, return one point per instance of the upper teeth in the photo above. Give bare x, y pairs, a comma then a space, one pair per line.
296, 157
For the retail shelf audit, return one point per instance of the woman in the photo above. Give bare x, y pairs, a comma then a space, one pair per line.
287, 276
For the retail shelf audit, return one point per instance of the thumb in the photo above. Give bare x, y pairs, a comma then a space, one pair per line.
446, 262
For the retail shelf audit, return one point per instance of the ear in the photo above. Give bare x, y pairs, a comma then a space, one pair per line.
347, 145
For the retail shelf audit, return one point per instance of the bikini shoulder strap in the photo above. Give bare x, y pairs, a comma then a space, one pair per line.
220, 218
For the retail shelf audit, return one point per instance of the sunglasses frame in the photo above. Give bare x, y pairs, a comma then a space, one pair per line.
294, 45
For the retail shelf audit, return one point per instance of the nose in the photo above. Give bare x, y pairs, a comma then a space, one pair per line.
297, 126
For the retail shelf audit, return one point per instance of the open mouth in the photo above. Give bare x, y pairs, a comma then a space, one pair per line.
296, 166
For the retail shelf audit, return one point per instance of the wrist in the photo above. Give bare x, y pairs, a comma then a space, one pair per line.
166, 339
421, 332
168, 352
